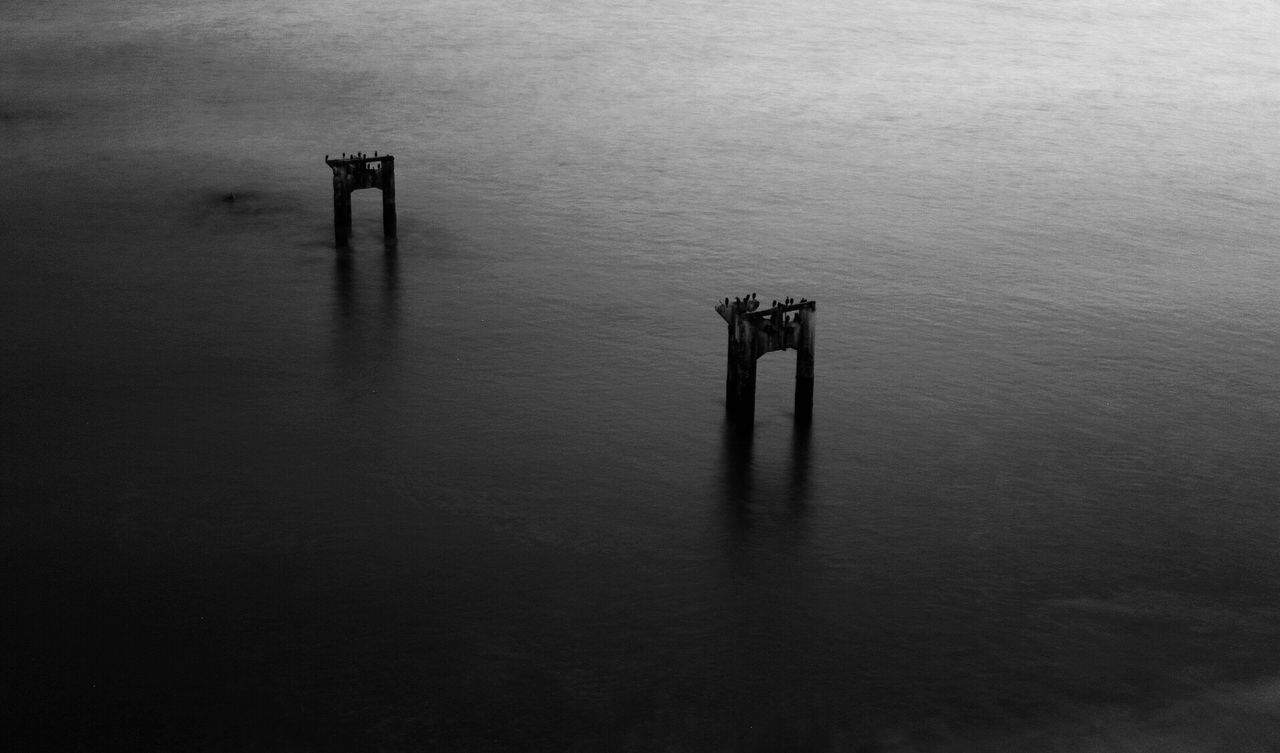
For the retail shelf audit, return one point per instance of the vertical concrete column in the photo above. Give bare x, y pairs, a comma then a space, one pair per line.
346, 213
341, 207
388, 197
804, 363
740, 393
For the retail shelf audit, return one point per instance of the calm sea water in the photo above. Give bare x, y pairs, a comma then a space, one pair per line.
478, 493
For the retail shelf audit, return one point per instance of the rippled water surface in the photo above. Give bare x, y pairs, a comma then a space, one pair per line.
477, 491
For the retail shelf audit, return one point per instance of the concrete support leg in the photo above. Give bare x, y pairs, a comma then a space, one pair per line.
804, 392
341, 216
740, 395
388, 198
804, 366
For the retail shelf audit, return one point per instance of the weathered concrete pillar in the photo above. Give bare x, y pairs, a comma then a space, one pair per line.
388, 180
740, 376
807, 319
341, 210
740, 395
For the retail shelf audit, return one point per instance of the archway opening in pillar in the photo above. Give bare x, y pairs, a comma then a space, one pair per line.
775, 387
366, 216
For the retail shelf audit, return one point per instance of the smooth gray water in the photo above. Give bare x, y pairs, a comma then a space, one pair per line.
479, 493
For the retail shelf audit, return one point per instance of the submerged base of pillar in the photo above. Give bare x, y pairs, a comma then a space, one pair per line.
389, 221
804, 400
741, 412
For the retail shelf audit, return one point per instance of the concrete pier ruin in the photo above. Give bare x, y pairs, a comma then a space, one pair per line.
754, 332
356, 171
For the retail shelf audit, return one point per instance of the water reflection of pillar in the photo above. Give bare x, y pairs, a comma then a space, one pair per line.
770, 656
800, 461
343, 275
737, 446
736, 454
364, 328
390, 285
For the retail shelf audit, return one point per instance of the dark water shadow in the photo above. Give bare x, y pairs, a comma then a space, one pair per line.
347, 261
343, 285
769, 650
366, 309
801, 437
390, 283
735, 458
740, 487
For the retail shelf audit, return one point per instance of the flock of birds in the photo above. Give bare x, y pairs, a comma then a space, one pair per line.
752, 297
748, 300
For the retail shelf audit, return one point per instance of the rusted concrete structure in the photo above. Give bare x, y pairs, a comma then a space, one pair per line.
351, 173
752, 333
